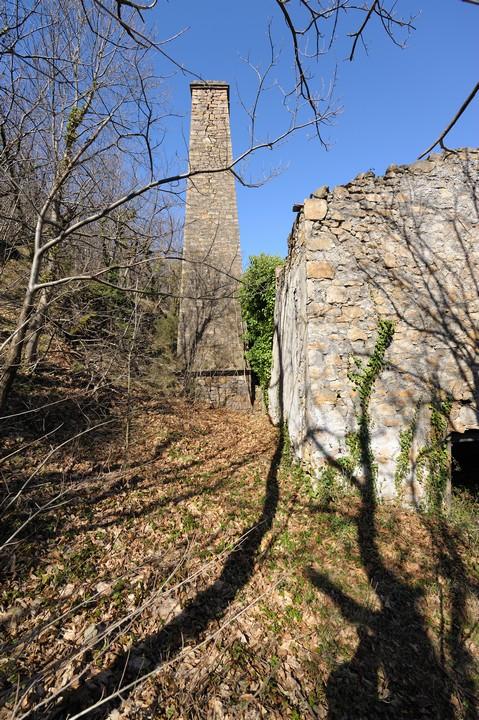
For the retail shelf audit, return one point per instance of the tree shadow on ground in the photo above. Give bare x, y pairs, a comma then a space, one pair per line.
185, 629
396, 671
55, 401
455, 586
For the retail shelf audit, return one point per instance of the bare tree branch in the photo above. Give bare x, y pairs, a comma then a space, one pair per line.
440, 140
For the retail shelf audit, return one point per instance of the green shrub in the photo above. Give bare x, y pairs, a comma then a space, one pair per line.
257, 297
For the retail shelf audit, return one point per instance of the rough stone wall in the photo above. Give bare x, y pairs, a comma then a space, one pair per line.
403, 247
289, 372
210, 332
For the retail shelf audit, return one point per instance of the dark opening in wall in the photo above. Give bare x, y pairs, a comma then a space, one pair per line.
465, 461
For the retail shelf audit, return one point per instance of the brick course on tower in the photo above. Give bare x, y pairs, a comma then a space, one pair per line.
210, 343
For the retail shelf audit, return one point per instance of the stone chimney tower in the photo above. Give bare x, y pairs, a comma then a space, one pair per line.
210, 331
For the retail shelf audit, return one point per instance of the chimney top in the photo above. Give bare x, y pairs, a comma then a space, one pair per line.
208, 84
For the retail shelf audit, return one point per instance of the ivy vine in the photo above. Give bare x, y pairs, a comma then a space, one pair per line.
433, 459
75, 119
363, 378
403, 462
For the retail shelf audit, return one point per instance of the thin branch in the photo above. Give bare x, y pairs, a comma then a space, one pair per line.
359, 33
457, 116
169, 663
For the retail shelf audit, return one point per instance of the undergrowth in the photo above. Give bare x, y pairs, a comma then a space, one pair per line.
290, 627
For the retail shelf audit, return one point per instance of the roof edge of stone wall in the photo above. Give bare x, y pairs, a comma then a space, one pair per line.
316, 207
417, 167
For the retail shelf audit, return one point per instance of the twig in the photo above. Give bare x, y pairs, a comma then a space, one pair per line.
169, 663
460, 112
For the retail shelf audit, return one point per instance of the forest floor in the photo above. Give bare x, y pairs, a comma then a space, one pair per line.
196, 577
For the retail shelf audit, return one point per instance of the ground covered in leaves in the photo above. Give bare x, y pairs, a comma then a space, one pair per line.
193, 575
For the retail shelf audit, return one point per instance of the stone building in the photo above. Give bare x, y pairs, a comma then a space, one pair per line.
403, 248
210, 345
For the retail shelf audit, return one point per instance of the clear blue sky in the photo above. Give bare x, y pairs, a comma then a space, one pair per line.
394, 102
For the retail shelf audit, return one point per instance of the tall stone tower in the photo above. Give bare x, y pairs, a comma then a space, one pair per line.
210, 331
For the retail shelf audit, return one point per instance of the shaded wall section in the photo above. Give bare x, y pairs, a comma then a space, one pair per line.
210, 331
403, 247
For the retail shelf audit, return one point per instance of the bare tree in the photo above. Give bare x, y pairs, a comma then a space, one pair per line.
78, 113
84, 99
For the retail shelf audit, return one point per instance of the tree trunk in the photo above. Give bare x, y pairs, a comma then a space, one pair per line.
15, 349
35, 327
38, 316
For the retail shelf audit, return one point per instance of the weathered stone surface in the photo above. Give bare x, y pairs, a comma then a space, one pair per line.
321, 192
315, 209
355, 333
322, 344
291, 323
324, 396
320, 241
390, 260
336, 295
320, 269
315, 309
351, 312
340, 193
403, 247
421, 166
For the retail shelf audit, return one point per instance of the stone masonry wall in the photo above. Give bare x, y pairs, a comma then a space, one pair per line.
403, 247
210, 332
288, 377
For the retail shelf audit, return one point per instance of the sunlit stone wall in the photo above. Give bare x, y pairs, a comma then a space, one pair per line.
403, 247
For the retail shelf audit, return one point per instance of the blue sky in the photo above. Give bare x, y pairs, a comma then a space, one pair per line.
392, 102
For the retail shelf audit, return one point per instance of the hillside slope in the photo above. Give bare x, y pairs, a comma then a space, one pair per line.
195, 577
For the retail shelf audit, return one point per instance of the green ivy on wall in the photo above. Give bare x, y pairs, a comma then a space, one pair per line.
432, 463
433, 460
363, 378
403, 462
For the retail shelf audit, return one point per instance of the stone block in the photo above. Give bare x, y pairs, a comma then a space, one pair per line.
315, 310
466, 419
320, 241
421, 167
336, 295
315, 209
390, 260
340, 193
319, 269
351, 281
320, 192
324, 396
391, 421
355, 334
351, 312
321, 345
